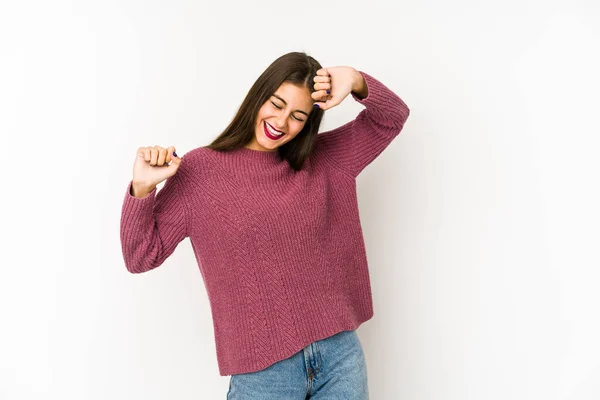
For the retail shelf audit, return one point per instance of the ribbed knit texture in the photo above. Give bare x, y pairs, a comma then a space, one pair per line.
281, 253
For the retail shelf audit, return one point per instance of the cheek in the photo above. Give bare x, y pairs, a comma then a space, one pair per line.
263, 113
298, 126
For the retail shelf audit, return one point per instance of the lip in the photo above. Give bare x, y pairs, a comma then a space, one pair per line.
275, 129
268, 134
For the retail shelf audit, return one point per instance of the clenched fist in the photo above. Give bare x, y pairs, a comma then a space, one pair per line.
151, 167
333, 84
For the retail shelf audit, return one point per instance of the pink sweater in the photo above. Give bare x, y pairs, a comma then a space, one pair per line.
281, 253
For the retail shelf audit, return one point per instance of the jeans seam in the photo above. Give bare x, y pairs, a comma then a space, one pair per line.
229, 391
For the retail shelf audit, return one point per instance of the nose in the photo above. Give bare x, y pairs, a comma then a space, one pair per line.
280, 119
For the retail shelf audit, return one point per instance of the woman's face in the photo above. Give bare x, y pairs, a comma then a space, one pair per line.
281, 117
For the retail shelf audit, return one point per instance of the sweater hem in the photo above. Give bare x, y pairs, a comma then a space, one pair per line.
302, 345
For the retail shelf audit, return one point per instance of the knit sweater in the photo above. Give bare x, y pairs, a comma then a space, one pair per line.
281, 252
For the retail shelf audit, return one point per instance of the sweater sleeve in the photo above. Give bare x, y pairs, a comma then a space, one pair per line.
152, 226
357, 143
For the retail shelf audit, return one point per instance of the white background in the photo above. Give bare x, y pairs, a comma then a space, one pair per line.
481, 219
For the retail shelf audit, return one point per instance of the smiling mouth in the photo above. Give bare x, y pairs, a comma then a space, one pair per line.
271, 132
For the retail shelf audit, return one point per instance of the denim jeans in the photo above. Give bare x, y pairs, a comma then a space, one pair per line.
328, 369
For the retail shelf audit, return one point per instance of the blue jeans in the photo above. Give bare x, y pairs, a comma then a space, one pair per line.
331, 368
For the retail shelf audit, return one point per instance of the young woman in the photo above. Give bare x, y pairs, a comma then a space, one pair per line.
271, 211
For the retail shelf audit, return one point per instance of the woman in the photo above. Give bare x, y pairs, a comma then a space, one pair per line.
271, 210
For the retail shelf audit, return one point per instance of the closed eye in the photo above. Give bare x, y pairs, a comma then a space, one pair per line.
279, 108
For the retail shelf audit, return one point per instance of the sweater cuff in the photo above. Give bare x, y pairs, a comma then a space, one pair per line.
366, 77
381, 99
138, 206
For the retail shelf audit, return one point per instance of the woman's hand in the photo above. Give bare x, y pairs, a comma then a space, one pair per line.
151, 167
333, 84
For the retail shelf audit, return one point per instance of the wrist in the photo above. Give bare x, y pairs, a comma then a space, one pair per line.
140, 190
359, 87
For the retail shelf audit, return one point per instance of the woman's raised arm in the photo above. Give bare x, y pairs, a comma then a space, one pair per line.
153, 225
357, 143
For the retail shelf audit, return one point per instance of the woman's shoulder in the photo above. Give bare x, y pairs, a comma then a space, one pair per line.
198, 161
198, 158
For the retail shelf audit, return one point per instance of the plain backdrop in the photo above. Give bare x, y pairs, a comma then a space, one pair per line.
480, 220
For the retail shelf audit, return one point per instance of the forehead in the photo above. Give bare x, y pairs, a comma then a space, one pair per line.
295, 96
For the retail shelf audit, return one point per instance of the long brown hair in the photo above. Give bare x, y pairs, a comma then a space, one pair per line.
296, 67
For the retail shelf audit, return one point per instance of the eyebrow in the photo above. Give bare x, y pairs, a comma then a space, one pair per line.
284, 102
